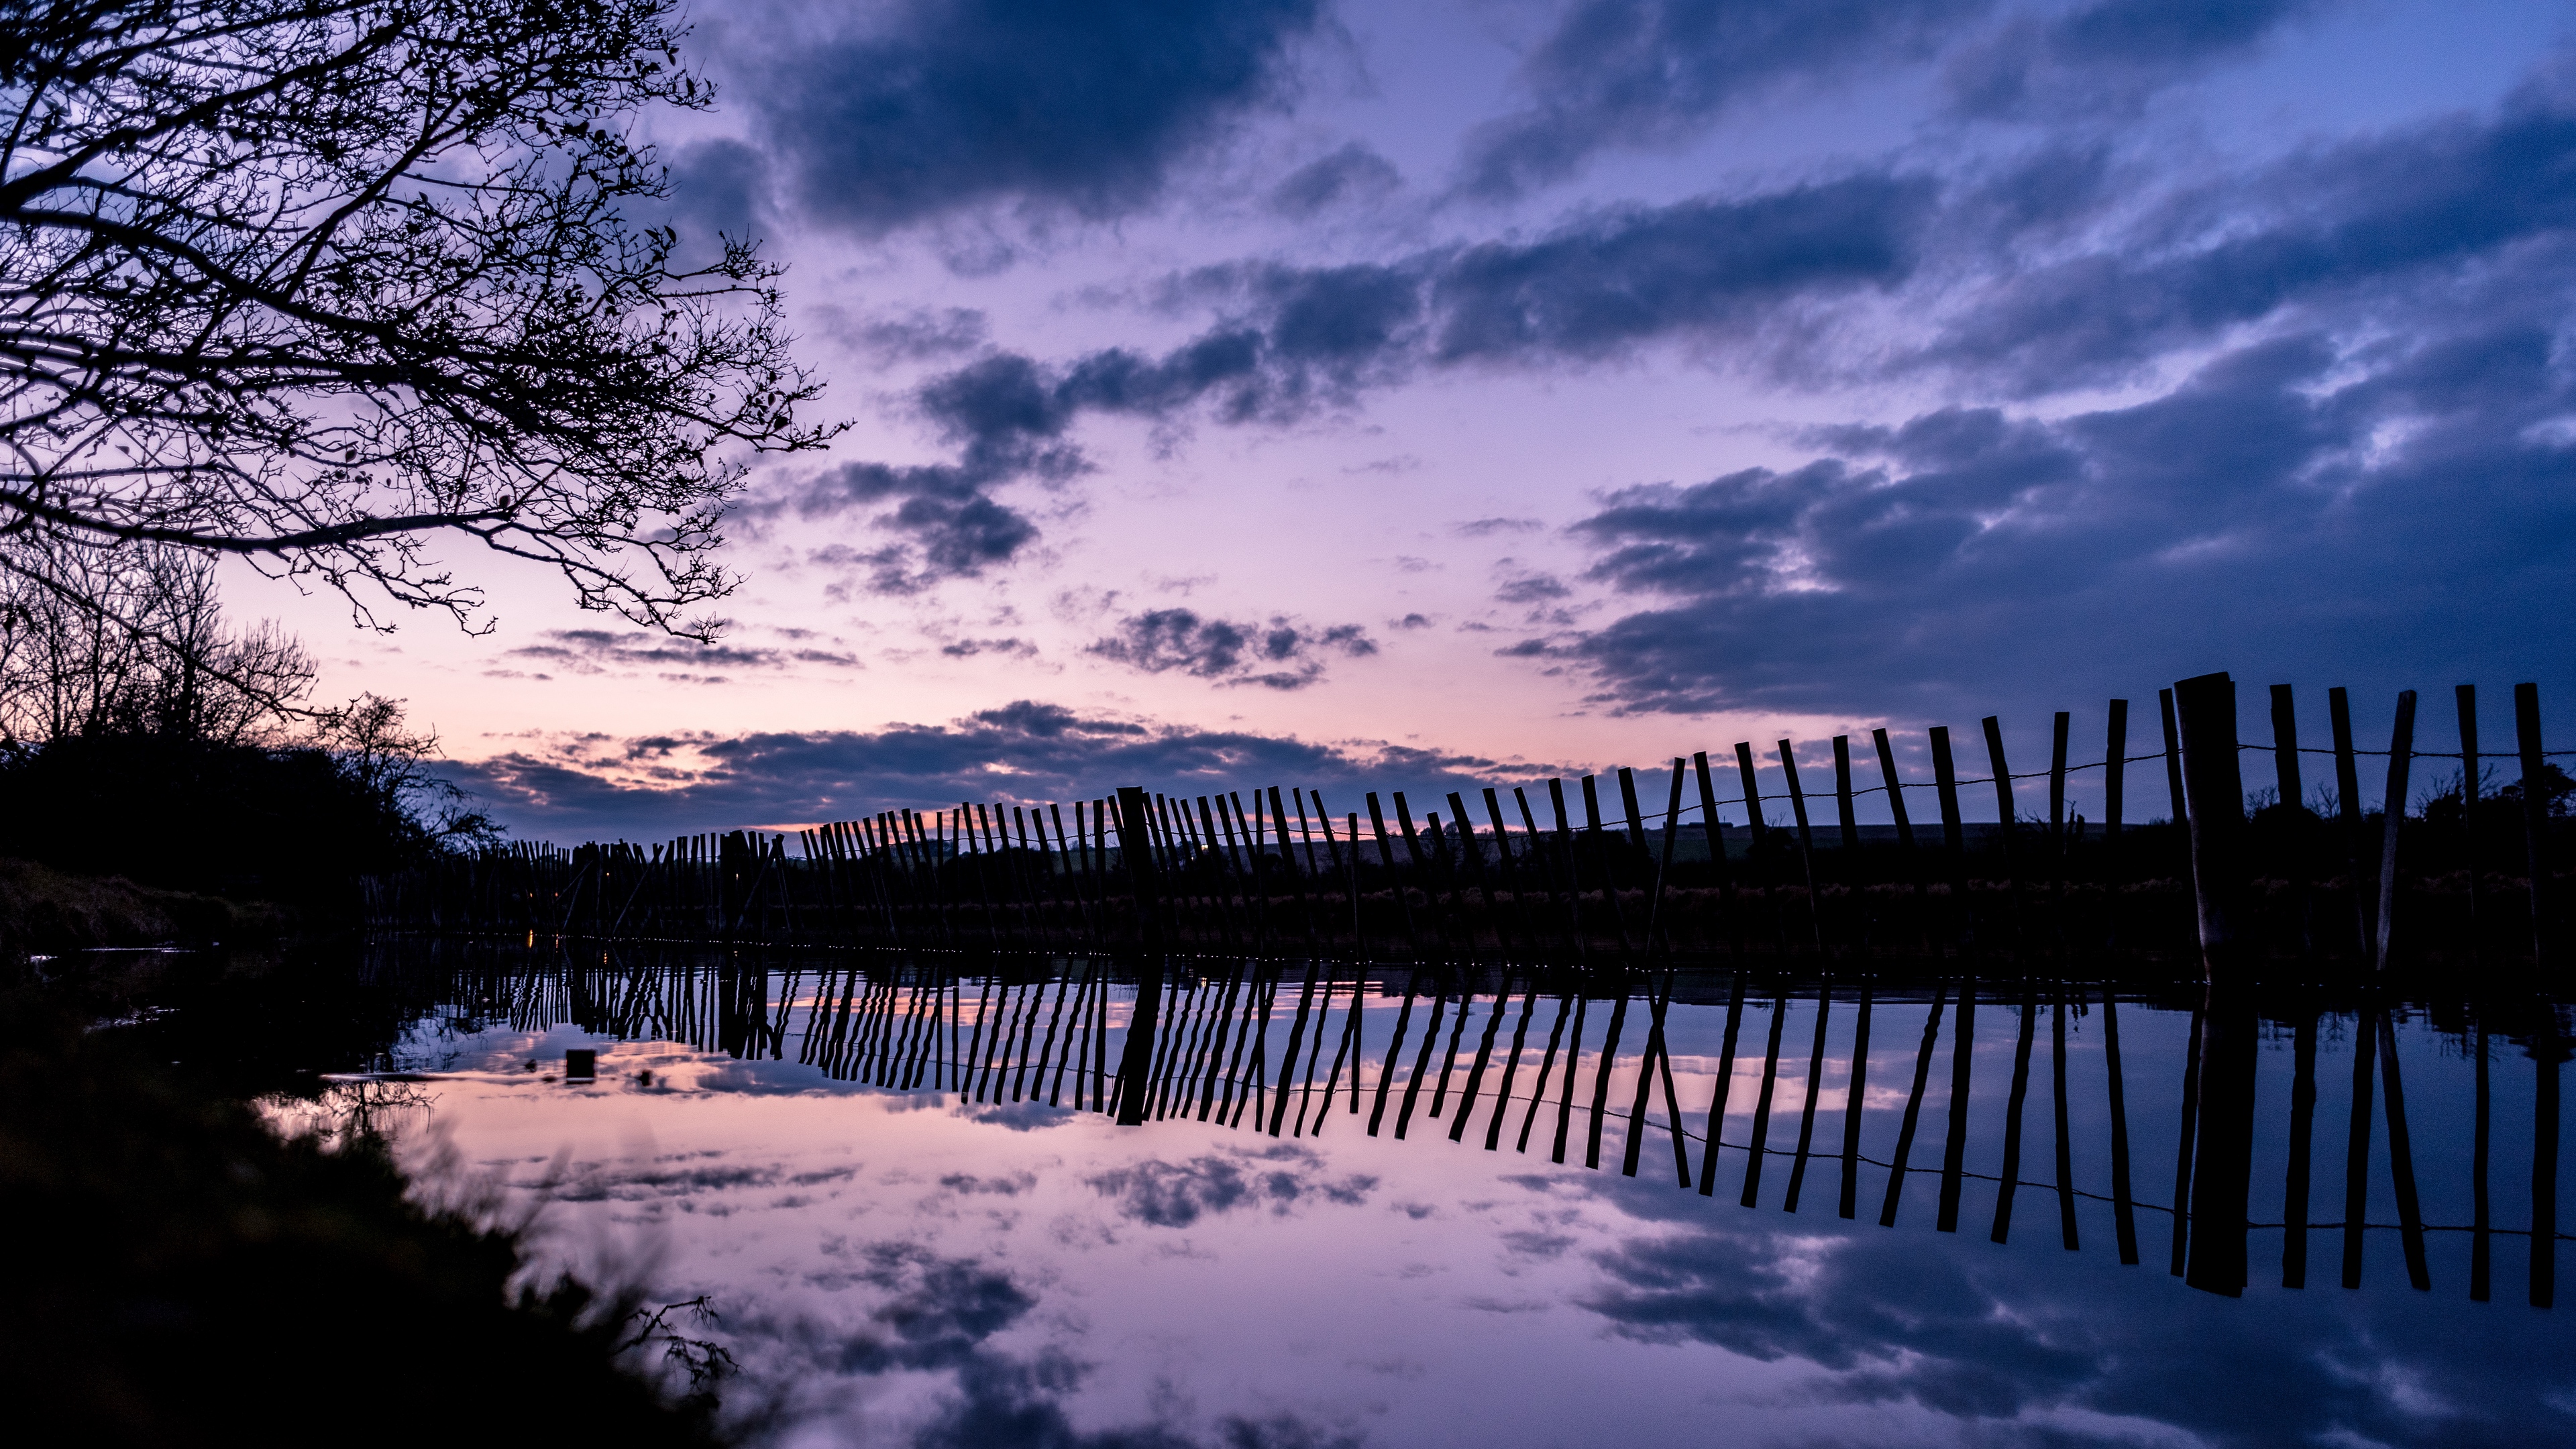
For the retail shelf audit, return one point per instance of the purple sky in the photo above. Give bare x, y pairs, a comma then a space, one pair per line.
1277, 391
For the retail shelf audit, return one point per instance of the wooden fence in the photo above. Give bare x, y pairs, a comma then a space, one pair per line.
1573, 879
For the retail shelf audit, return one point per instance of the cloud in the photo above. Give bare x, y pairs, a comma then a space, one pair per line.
2263, 516
961, 103
942, 1316
913, 334
1008, 418
654, 785
2011, 1341
2378, 234
1014, 647
1584, 290
1531, 588
1352, 174
1488, 527
1654, 72
1301, 338
1282, 654
2106, 57
718, 187
631, 654
1625, 74
1595, 288
1176, 1194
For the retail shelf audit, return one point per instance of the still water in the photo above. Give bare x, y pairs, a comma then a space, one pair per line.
895, 1186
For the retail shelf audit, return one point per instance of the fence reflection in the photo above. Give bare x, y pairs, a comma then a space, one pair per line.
1587, 1067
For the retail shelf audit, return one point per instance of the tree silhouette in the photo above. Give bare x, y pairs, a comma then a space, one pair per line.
315, 282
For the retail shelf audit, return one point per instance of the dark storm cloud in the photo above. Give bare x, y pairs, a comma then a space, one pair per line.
1281, 654
1008, 418
1643, 73
1298, 338
1650, 72
2108, 56
963, 102
2294, 503
2370, 478
1652, 273
1588, 289
2368, 234
650, 786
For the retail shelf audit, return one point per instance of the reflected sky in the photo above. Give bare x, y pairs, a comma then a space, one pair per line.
918, 1267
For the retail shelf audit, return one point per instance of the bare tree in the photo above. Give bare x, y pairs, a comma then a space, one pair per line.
133, 640
312, 282
373, 746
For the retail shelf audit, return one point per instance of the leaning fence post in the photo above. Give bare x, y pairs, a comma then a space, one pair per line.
2392, 814
1843, 817
2004, 815
2205, 712
2173, 757
1753, 820
1806, 845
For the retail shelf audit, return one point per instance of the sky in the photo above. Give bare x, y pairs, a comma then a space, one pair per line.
1419, 394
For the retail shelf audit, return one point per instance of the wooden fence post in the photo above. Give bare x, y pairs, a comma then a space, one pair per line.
1954, 835
2115, 776
1753, 820
2466, 696
2004, 813
2173, 758
1715, 830
1843, 817
2392, 814
2285, 777
2205, 712
1806, 844
2535, 816
1134, 1065
2348, 806
2285, 746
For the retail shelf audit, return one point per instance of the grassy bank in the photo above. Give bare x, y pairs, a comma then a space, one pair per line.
48, 912
185, 1275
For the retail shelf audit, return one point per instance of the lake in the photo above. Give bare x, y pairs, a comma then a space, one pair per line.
1428, 1207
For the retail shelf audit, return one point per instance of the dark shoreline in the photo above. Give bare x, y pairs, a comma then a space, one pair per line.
188, 1274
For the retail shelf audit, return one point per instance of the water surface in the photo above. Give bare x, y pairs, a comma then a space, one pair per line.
893, 1182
